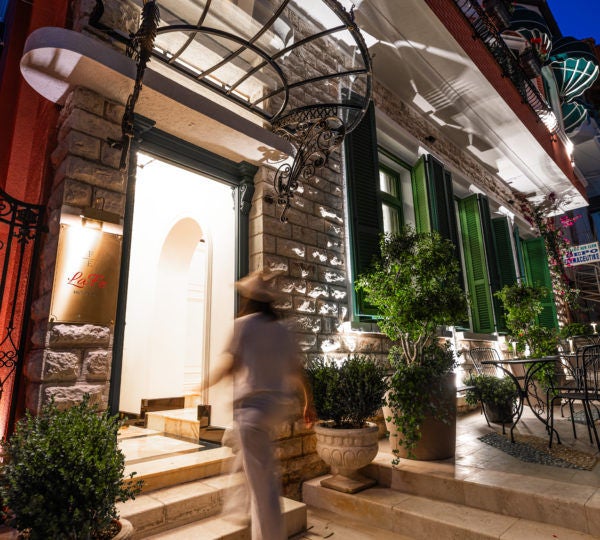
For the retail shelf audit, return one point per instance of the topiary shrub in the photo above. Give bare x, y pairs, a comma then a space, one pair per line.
348, 393
63, 474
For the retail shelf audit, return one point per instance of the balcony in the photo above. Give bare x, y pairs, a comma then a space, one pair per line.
488, 32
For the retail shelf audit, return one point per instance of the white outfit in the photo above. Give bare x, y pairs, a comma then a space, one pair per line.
265, 359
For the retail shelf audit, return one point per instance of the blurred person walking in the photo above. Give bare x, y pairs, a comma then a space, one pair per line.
266, 366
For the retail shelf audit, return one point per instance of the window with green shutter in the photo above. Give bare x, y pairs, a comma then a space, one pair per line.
505, 261
362, 168
478, 283
434, 199
537, 273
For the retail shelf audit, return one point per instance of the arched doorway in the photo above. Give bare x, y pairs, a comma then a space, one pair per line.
180, 298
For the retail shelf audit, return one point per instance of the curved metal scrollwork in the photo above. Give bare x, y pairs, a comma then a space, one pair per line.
315, 139
20, 227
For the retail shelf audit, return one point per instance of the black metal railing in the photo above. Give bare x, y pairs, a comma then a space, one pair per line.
486, 30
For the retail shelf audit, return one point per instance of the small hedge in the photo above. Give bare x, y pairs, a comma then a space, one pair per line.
63, 474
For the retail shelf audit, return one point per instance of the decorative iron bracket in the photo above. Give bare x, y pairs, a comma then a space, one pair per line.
315, 137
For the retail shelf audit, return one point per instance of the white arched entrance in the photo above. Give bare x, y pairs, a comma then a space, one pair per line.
180, 298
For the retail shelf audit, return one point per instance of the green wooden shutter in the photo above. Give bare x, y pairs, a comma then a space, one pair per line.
507, 274
421, 197
475, 264
491, 259
434, 199
362, 168
443, 216
537, 272
519, 250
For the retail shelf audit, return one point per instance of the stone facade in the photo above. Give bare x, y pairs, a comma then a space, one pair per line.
69, 360
310, 251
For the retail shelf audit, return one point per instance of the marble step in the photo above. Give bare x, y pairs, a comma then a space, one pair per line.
423, 518
191, 510
569, 504
182, 423
173, 469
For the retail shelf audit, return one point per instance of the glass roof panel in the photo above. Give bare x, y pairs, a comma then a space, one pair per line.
270, 56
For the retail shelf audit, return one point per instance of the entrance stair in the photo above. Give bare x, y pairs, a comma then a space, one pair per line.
482, 494
185, 485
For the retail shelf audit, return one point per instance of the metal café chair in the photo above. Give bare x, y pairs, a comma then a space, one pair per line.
586, 388
570, 350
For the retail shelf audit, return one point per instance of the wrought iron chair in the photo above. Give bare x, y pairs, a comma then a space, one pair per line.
586, 388
570, 351
482, 354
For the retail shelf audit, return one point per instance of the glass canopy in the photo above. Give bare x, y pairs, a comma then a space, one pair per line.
302, 66
272, 57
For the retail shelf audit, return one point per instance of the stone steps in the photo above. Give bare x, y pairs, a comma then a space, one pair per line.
446, 500
184, 489
568, 504
426, 518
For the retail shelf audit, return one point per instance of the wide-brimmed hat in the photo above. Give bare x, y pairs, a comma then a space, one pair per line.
258, 286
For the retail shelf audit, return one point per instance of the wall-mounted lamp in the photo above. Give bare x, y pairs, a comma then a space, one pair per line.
94, 216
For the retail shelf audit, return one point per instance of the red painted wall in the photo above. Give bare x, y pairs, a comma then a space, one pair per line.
28, 121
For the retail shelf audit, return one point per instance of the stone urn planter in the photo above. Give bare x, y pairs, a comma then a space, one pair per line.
347, 451
126, 530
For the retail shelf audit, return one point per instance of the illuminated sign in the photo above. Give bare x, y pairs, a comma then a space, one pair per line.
86, 281
583, 254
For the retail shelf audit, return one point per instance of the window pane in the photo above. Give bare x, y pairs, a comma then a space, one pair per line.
408, 203
388, 183
391, 219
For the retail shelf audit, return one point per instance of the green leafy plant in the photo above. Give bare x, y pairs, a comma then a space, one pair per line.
522, 304
63, 474
490, 390
347, 393
415, 287
575, 329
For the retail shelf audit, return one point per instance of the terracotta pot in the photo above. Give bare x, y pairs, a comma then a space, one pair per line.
126, 530
346, 451
438, 439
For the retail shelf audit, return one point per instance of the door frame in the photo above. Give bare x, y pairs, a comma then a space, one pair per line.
239, 176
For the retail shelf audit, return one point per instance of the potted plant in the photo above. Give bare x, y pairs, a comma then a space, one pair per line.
497, 395
345, 395
522, 305
63, 473
415, 287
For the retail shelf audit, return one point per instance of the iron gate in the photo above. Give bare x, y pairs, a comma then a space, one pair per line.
20, 227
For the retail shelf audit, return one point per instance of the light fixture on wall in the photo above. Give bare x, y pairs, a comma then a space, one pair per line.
94, 216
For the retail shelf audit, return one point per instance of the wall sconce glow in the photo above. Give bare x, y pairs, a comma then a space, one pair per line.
594, 325
550, 121
570, 147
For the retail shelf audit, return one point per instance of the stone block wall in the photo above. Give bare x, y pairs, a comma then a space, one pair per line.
69, 360
310, 252
295, 448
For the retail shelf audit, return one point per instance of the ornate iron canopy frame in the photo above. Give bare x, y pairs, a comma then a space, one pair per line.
300, 96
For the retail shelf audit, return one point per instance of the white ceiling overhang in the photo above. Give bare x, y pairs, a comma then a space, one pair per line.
56, 60
417, 58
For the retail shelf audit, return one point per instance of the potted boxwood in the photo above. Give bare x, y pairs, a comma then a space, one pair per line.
63, 473
498, 396
345, 395
415, 287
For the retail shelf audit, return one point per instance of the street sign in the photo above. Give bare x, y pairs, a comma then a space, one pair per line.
583, 254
